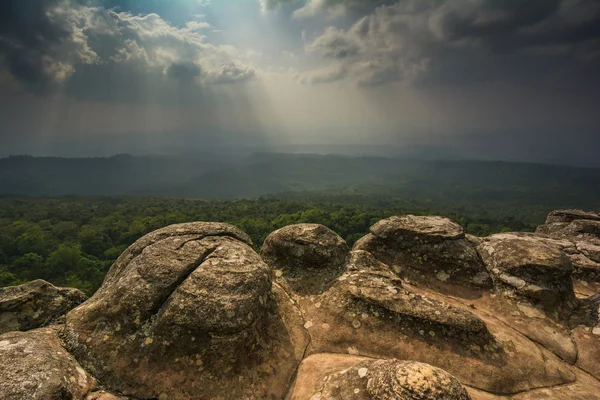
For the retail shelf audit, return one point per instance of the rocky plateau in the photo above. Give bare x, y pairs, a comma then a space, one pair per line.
417, 309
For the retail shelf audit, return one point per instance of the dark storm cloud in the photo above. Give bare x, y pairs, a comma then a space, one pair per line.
31, 40
73, 45
184, 71
461, 42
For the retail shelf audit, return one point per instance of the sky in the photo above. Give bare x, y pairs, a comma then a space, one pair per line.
507, 79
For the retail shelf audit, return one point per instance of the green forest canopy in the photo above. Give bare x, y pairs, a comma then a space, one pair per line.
72, 241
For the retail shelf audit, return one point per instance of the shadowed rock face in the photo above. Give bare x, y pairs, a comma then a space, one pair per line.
35, 304
571, 215
34, 366
532, 269
308, 256
581, 230
430, 250
188, 312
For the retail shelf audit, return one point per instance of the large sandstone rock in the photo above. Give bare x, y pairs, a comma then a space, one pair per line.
384, 380
431, 250
582, 230
558, 216
308, 257
35, 304
34, 366
532, 269
370, 312
189, 312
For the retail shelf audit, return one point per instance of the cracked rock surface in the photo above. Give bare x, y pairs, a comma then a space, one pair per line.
35, 304
308, 256
191, 311
427, 249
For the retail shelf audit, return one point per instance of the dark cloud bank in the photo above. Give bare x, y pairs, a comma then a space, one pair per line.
116, 50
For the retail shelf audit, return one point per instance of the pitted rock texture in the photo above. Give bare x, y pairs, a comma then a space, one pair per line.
571, 215
370, 312
391, 380
189, 312
34, 366
35, 304
581, 230
431, 250
532, 269
308, 257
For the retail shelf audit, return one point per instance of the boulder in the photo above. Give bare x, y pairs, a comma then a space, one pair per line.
189, 312
35, 304
34, 366
563, 216
427, 249
582, 230
307, 257
532, 269
390, 380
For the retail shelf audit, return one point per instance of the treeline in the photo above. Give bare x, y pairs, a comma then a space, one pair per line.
73, 241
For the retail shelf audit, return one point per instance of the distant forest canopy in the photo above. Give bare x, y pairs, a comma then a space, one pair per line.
72, 241
221, 175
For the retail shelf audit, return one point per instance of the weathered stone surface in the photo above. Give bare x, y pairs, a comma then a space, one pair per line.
35, 304
390, 380
582, 230
531, 269
571, 215
430, 250
370, 312
34, 366
308, 257
103, 395
189, 314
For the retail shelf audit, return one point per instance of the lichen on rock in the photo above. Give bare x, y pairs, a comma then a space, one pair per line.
35, 304
427, 249
34, 366
308, 256
190, 314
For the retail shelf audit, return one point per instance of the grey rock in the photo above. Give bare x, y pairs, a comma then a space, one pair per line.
188, 311
34, 366
423, 248
571, 215
391, 380
35, 304
308, 256
531, 268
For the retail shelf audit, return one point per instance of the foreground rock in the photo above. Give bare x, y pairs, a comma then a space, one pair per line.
370, 312
35, 304
307, 256
188, 312
431, 250
191, 312
579, 232
531, 269
35, 366
358, 378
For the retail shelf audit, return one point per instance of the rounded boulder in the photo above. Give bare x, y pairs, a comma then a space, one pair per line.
308, 257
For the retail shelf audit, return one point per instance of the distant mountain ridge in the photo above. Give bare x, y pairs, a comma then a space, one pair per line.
213, 175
